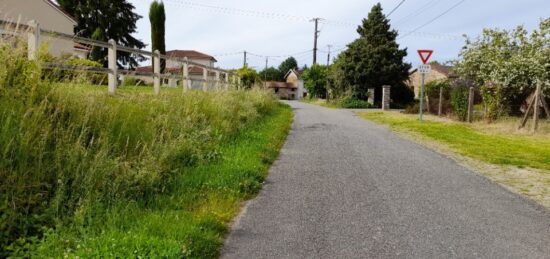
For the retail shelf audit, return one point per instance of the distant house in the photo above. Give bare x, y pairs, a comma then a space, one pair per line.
18, 13
176, 68
438, 72
291, 89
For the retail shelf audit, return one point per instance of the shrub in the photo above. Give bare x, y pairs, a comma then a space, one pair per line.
401, 95
353, 103
413, 108
459, 102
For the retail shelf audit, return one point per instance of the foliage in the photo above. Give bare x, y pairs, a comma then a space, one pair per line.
249, 77
401, 95
287, 65
353, 103
432, 88
337, 88
74, 157
97, 53
459, 102
374, 59
507, 64
117, 21
157, 17
271, 74
315, 81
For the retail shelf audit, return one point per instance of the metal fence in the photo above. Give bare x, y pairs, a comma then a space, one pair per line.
221, 79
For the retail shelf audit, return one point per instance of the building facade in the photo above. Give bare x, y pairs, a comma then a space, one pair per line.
438, 72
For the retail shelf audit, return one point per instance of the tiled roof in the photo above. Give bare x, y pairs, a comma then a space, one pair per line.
175, 70
274, 84
190, 54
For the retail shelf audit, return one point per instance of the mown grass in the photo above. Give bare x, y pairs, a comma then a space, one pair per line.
86, 174
472, 141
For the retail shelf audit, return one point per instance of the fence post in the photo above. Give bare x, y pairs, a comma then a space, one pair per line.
386, 97
471, 104
113, 74
33, 40
217, 80
205, 78
185, 82
537, 107
371, 96
156, 71
226, 81
440, 107
238, 83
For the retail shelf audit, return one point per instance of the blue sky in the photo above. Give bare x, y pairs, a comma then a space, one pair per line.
278, 28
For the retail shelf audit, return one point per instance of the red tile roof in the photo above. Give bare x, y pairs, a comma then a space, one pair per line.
175, 70
273, 84
190, 54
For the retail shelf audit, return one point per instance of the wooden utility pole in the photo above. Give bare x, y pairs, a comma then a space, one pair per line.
315, 37
328, 55
244, 61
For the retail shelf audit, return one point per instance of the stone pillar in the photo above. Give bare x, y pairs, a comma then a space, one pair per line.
186, 82
217, 80
113, 74
205, 78
371, 96
386, 97
33, 37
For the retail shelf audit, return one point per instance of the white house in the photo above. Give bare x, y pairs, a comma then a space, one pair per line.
18, 13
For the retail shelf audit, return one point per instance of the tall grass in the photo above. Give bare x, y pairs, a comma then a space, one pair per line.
68, 151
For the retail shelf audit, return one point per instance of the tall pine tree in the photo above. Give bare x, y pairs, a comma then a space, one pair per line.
375, 60
116, 20
157, 17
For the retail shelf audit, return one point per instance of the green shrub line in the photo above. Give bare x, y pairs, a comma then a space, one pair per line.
86, 174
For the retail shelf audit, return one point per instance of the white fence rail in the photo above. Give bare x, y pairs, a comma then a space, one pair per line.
223, 80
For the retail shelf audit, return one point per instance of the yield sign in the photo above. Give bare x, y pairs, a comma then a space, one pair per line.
425, 55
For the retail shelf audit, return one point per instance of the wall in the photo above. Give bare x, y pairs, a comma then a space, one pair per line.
47, 16
415, 80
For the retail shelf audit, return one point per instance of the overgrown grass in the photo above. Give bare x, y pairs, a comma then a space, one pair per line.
472, 141
86, 174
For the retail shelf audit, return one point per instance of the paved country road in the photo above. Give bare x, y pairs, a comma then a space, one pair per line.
346, 188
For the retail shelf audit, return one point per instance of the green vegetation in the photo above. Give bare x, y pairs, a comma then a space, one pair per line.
465, 139
459, 102
315, 81
344, 103
137, 175
157, 17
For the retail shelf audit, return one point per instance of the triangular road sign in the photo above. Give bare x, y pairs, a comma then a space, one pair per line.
425, 55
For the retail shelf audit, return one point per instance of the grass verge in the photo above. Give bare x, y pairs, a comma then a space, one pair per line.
519, 162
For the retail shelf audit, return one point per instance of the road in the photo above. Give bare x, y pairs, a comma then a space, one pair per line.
346, 188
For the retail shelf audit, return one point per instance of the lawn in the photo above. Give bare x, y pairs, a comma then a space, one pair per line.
516, 159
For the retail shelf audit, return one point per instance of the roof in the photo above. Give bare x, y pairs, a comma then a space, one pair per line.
445, 70
175, 70
190, 54
58, 8
274, 84
298, 73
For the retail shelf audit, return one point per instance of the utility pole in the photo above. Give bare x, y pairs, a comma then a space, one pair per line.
244, 63
328, 56
266, 61
316, 35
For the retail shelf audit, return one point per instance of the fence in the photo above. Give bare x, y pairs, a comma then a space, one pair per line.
222, 79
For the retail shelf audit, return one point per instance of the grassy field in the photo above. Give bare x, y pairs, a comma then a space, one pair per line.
85, 174
522, 160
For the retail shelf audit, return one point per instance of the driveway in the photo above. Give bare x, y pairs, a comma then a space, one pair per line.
346, 188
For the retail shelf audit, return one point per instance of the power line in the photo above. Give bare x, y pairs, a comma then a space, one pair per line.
420, 10
397, 7
434, 19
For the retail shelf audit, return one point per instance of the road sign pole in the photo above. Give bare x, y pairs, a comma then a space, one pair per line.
422, 97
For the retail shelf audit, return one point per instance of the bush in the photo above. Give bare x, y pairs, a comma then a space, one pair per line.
413, 108
459, 102
401, 95
353, 103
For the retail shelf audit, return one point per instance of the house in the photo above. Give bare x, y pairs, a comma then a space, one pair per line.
291, 89
18, 13
438, 72
176, 68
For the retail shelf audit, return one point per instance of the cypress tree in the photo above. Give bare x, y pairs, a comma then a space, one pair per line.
157, 17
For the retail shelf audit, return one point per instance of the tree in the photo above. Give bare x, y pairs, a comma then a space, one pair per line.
248, 76
315, 80
270, 74
157, 17
375, 60
115, 19
98, 53
287, 65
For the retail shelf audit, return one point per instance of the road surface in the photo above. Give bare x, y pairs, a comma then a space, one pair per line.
346, 188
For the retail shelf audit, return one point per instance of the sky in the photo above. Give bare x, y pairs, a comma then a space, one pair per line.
227, 28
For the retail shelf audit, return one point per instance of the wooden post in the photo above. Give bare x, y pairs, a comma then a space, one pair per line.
156, 71
186, 84
33, 40
113, 74
536, 106
440, 107
471, 104
205, 78
526, 116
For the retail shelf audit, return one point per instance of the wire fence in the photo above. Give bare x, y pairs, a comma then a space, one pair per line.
182, 72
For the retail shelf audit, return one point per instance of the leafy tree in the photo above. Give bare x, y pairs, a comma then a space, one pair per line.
116, 20
271, 74
315, 80
287, 65
337, 88
248, 76
375, 60
98, 53
157, 17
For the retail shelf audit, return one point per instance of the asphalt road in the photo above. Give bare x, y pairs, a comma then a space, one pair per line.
346, 188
